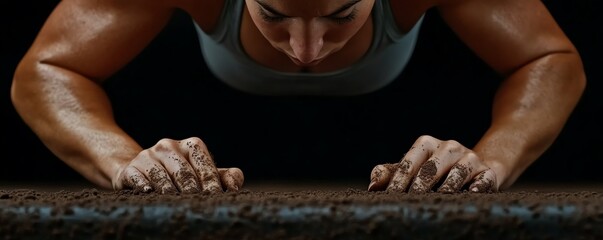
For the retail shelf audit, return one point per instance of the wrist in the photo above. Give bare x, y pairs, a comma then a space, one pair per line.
501, 171
112, 166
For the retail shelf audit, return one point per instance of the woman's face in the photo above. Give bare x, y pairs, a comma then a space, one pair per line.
309, 30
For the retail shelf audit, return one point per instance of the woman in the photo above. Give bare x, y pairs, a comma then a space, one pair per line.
296, 47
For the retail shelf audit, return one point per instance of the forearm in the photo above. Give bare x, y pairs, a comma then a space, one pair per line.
72, 116
529, 111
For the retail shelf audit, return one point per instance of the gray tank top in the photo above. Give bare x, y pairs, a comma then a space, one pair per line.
387, 56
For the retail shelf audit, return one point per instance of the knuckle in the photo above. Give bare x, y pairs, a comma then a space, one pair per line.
452, 143
472, 156
142, 156
452, 146
427, 142
425, 139
163, 145
406, 166
196, 141
165, 141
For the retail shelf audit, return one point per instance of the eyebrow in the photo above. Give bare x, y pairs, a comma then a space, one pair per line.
336, 12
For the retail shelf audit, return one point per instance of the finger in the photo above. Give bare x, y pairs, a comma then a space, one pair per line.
178, 168
446, 154
484, 182
461, 173
160, 179
427, 175
232, 178
420, 151
182, 173
134, 179
203, 164
402, 176
458, 176
381, 176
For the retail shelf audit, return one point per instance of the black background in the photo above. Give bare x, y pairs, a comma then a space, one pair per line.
445, 92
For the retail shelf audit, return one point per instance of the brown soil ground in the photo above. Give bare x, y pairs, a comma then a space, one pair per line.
351, 213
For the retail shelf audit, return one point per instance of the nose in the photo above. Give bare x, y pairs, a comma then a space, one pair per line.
306, 40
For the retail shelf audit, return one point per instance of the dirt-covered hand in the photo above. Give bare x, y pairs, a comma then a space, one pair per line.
177, 166
427, 162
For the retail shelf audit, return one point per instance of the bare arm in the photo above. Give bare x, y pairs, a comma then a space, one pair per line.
56, 87
544, 77
544, 81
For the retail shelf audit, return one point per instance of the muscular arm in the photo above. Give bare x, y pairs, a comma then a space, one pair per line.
56, 87
544, 77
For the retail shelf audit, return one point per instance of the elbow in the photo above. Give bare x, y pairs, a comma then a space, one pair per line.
582, 80
577, 81
26, 87
565, 72
19, 89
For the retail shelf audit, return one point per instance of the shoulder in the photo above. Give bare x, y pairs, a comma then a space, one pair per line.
206, 13
408, 12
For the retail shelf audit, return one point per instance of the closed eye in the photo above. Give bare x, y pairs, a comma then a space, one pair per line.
269, 14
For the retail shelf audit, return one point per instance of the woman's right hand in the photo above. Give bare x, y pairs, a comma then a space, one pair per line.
177, 166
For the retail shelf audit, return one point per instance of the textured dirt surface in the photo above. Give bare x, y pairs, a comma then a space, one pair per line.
317, 214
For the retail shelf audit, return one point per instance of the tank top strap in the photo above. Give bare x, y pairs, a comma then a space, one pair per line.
392, 31
226, 22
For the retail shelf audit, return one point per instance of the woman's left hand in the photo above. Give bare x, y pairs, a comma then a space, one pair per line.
427, 162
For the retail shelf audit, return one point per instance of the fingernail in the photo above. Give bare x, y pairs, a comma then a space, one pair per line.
191, 188
475, 189
417, 188
445, 189
371, 186
168, 190
230, 183
393, 188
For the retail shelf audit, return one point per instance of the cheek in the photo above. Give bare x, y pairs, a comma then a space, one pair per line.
272, 32
343, 33
340, 34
